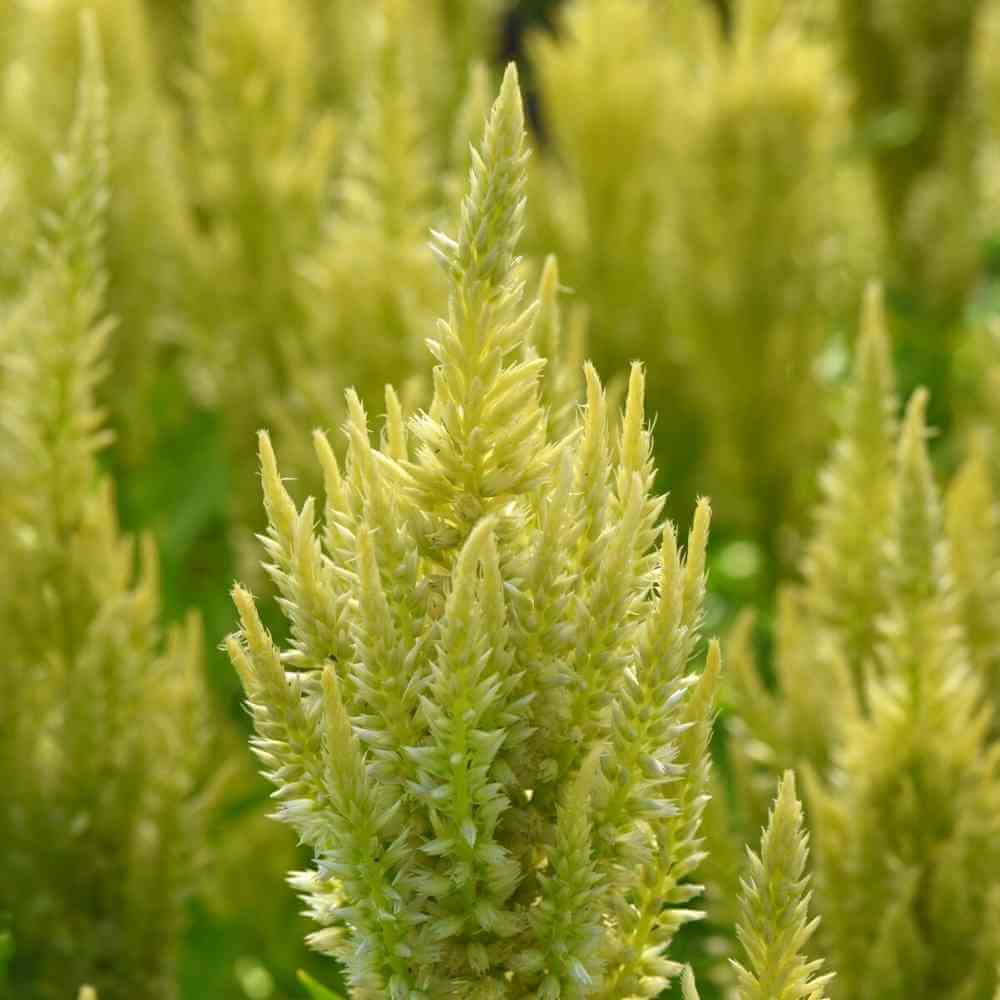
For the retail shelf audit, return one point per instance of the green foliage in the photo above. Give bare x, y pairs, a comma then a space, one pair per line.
917, 120
483, 723
610, 236
902, 818
372, 282
504, 786
845, 565
309, 272
719, 261
260, 166
828, 626
973, 533
754, 126
316, 990
594, 220
911, 819
101, 737
148, 222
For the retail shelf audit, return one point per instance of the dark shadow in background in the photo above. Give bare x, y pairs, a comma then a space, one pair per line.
529, 16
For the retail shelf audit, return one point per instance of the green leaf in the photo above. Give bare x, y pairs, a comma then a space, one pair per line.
317, 991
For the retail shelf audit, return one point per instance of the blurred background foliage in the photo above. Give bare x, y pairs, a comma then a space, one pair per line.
718, 178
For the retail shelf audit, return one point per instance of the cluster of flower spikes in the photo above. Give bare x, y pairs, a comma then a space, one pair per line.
883, 707
917, 106
485, 724
101, 724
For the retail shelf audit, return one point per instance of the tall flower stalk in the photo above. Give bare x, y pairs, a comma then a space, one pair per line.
885, 699
485, 724
100, 741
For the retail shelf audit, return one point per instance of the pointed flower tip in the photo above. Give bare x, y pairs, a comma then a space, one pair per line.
509, 105
635, 396
595, 390
713, 664
511, 86
245, 605
268, 463
265, 449
703, 510
873, 337
355, 408
549, 284
918, 402
915, 423
786, 788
